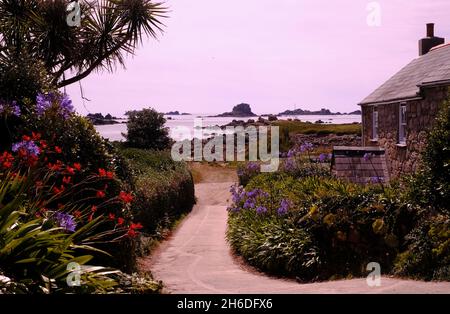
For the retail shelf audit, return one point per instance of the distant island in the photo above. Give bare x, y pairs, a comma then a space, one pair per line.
177, 113
100, 119
323, 112
241, 110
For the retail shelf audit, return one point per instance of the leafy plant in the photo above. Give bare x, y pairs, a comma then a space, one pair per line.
146, 130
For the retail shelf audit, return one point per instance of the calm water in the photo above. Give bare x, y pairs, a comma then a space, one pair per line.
114, 132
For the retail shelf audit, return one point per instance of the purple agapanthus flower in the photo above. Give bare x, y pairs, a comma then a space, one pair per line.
375, 180
15, 109
323, 157
66, 106
29, 146
261, 210
284, 207
253, 166
12, 108
306, 147
237, 193
249, 203
289, 165
44, 102
291, 153
66, 221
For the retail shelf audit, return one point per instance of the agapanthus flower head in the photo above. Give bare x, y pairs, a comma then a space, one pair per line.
10, 108
375, 180
249, 203
65, 221
237, 193
66, 105
289, 165
48, 100
323, 157
27, 147
261, 210
284, 207
306, 147
253, 166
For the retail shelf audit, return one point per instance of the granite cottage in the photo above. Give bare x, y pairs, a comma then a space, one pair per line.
397, 115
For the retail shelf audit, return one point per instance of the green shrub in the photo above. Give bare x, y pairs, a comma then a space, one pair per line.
164, 189
146, 130
431, 186
428, 253
341, 226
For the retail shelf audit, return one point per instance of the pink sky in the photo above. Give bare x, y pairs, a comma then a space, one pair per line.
274, 55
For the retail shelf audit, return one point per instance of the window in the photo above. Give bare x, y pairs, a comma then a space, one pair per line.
402, 125
375, 124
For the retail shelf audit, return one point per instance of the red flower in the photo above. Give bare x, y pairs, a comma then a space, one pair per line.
6, 160
125, 197
43, 144
57, 190
55, 167
102, 172
77, 214
136, 226
26, 138
101, 194
132, 229
58, 150
32, 160
120, 221
77, 166
91, 216
94, 208
70, 170
66, 180
36, 136
111, 216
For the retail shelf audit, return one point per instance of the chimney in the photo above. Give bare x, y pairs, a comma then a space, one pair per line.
425, 44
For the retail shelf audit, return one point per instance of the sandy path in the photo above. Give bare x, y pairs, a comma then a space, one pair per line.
197, 258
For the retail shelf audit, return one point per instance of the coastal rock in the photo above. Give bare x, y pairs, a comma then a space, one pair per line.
241, 110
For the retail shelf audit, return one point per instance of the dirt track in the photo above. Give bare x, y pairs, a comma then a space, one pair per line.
197, 258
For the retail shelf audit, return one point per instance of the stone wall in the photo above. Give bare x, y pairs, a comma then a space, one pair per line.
420, 116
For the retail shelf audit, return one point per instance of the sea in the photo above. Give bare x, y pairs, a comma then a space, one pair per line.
184, 126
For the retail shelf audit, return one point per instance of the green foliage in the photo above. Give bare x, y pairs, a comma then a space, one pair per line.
164, 188
146, 130
298, 127
428, 253
431, 187
332, 228
107, 30
21, 76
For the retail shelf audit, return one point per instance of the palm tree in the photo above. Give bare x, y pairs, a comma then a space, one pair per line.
109, 30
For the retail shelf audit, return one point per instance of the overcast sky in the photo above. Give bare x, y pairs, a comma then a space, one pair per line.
272, 54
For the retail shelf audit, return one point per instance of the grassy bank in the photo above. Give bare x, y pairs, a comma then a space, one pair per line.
298, 127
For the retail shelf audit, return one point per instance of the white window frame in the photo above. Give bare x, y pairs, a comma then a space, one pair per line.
402, 124
375, 121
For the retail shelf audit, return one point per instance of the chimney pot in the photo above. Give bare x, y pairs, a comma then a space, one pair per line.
430, 30
427, 43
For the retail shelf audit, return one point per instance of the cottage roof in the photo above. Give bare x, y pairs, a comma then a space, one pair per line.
430, 69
